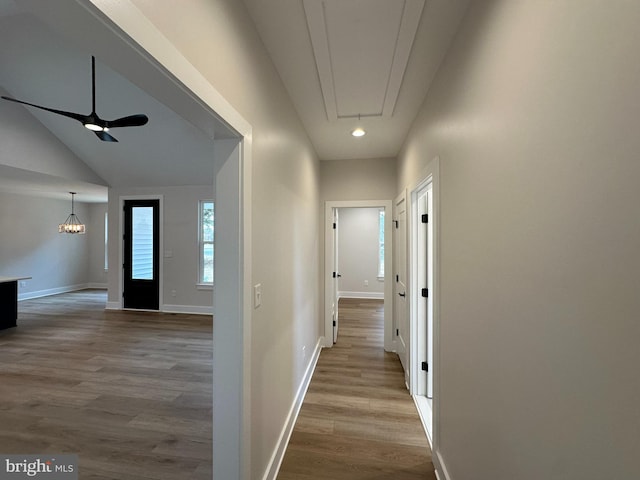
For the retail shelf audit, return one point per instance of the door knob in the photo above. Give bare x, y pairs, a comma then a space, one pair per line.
402, 294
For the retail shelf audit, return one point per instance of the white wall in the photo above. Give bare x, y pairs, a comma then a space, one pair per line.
97, 276
180, 237
361, 179
534, 116
219, 39
358, 247
30, 244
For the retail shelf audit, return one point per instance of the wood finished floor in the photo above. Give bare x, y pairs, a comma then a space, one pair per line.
358, 421
130, 393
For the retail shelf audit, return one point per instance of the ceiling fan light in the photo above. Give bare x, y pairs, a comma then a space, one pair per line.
93, 127
358, 132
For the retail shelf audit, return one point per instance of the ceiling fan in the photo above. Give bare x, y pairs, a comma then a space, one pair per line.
92, 121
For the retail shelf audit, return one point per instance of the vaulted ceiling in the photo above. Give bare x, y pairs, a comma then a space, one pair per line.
345, 64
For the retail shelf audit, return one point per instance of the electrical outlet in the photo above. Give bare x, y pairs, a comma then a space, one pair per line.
366, 283
173, 293
23, 284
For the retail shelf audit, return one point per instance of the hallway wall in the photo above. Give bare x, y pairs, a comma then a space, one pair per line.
358, 179
534, 116
220, 40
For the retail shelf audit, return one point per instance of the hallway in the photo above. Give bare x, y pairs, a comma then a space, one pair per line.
358, 421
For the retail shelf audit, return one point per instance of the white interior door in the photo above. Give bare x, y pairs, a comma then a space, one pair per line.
336, 277
431, 290
424, 222
401, 320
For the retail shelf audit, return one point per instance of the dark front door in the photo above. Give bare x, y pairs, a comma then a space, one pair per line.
141, 254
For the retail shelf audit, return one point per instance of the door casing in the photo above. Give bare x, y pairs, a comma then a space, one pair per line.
401, 291
329, 265
428, 411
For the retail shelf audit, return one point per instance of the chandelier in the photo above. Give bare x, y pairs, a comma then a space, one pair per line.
72, 224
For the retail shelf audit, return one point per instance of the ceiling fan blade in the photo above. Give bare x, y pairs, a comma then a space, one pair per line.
76, 116
105, 137
130, 121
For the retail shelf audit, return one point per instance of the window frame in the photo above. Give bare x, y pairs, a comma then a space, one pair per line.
381, 252
106, 241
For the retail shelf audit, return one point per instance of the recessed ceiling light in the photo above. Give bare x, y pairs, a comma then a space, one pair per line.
358, 132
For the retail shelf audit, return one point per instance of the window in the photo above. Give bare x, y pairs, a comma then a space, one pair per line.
106, 241
142, 229
381, 243
205, 275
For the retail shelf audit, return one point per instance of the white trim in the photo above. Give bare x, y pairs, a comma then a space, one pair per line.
232, 303
417, 332
431, 174
278, 453
424, 412
98, 286
388, 266
402, 338
440, 467
189, 309
57, 290
186, 309
377, 295
113, 306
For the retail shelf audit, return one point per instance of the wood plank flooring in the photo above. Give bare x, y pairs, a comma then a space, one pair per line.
358, 421
129, 392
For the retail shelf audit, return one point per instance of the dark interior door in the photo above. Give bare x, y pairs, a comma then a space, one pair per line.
141, 254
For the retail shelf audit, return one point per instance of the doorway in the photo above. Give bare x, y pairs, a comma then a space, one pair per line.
424, 309
334, 277
141, 262
400, 317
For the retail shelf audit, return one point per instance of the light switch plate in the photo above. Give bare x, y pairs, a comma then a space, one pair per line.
257, 295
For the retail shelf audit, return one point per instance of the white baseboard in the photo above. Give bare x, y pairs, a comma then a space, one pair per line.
113, 306
52, 291
376, 295
278, 454
426, 415
441, 470
188, 309
192, 309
